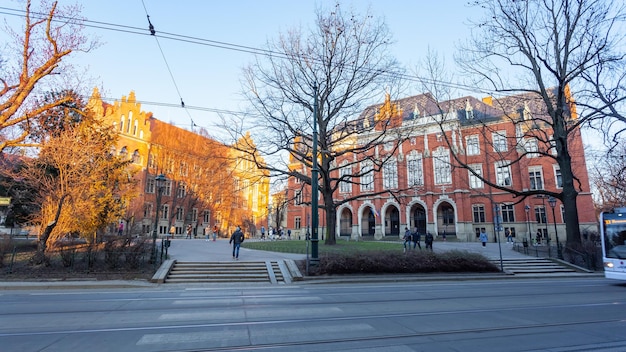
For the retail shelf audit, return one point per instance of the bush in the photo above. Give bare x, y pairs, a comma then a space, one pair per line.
383, 262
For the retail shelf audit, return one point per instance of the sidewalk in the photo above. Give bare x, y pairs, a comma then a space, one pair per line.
200, 250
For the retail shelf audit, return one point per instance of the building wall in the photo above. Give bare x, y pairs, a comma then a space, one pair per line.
450, 207
157, 148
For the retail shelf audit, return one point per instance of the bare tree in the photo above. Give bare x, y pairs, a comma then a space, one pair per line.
608, 177
553, 52
48, 38
345, 60
81, 187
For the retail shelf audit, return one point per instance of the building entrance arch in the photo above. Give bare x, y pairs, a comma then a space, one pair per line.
445, 219
368, 222
345, 223
418, 218
392, 221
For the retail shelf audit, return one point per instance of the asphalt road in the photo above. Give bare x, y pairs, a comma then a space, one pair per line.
487, 315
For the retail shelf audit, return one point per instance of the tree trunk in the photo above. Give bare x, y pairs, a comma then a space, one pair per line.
42, 245
331, 220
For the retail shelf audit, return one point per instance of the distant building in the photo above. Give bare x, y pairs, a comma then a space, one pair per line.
207, 184
431, 194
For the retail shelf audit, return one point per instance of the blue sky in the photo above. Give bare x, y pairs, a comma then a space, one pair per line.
209, 77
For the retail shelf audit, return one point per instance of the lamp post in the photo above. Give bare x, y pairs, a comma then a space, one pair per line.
527, 209
160, 181
552, 202
545, 213
314, 186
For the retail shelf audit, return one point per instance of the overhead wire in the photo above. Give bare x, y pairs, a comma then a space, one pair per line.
153, 33
221, 45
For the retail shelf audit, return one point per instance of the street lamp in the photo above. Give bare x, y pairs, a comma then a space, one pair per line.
160, 182
314, 187
552, 202
527, 209
545, 213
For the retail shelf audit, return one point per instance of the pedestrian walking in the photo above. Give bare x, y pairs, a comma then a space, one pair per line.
407, 239
428, 239
236, 239
509, 237
288, 234
417, 237
205, 232
262, 232
189, 231
215, 230
172, 231
483, 238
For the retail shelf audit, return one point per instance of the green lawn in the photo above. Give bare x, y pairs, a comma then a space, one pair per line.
342, 246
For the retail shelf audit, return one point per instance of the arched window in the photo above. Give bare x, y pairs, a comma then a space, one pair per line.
124, 153
136, 158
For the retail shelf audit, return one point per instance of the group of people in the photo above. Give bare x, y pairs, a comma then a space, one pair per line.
275, 234
415, 237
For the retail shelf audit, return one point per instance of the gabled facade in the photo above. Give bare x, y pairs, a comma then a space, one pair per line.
427, 191
204, 178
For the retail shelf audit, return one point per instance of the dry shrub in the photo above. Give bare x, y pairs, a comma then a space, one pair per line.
382, 262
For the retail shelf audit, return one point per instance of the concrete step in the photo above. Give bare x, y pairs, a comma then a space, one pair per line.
533, 266
281, 271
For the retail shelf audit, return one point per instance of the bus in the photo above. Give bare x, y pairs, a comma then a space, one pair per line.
613, 237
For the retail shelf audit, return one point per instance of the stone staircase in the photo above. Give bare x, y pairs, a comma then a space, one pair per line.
272, 271
534, 266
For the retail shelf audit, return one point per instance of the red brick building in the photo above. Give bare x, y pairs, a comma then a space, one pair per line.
505, 140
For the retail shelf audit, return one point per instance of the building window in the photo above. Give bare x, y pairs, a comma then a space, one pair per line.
169, 166
503, 173
124, 153
536, 179
415, 170
194, 215
390, 174
479, 213
167, 188
180, 216
151, 161
183, 169
298, 198
532, 148
136, 158
150, 185
367, 176
553, 145
441, 166
345, 185
508, 214
499, 142
206, 217
474, 180
557, 177
472, 146
297, 222
165, 211
147, 210
540, 215
181, 191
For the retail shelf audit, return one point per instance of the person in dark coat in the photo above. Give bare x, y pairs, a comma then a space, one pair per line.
236, 239
428, 239
417, 237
